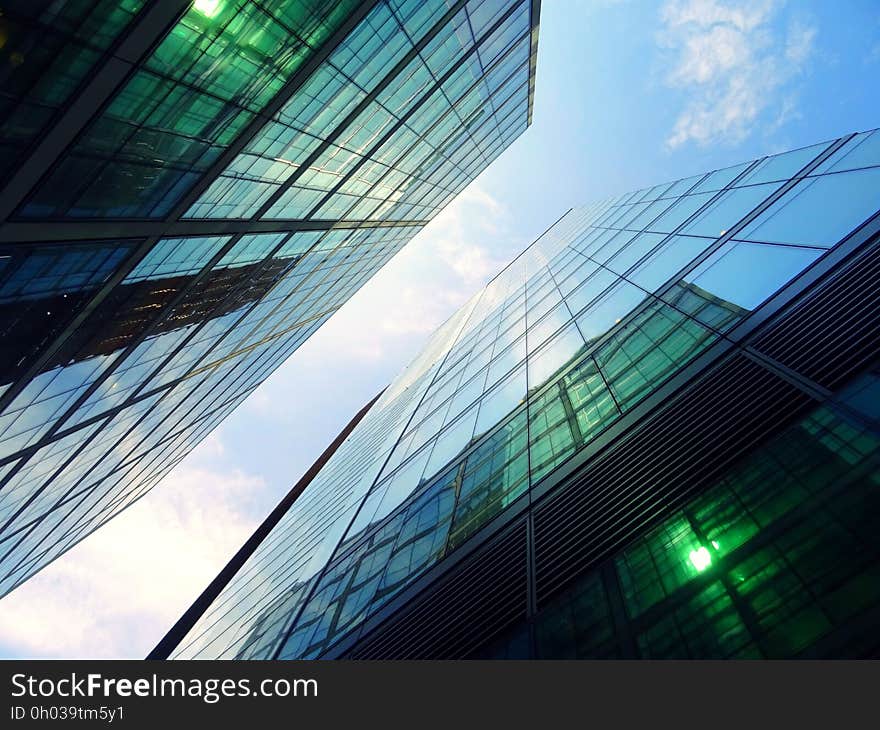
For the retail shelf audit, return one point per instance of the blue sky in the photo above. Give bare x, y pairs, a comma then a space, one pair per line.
629, 93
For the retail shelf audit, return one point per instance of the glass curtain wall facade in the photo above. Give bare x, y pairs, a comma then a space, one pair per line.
191, 189
576, 409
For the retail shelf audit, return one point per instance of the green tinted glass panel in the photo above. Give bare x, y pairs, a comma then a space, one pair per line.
219, 65
47, 49
647, 349
780, 554
495, 474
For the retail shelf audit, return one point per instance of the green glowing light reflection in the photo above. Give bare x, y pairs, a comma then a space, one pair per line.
208, 8
700, 559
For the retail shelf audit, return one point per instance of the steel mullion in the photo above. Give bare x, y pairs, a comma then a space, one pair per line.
24, 233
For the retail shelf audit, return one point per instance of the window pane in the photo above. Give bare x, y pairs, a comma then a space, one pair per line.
728, 210
745, 274
677, 253
610, 310
819, 211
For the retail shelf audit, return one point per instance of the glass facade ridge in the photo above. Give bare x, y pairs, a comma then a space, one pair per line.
612, 303
120, 353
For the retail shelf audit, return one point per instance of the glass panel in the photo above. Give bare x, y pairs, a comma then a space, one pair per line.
498, 402
861, 151
746, 274
495, 474
555, 355
422, 537
633, 251
819, 211
42, 289
578, 624
452, 441
220, 64
720, 178
567, 415
674, 256
609, 311
728, 210
47, 50
648, 349
683, 209
784, 166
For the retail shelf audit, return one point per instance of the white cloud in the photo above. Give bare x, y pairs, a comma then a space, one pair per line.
799, 44
420, 287
745, 15
475, 214
118, 591
735, 62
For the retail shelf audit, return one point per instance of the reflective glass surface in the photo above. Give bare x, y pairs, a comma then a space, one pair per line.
217, 67
47, 49
778, 554
604, 309
118, 355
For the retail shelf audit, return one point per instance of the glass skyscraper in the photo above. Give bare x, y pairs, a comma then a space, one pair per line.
190, 189
656, 433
